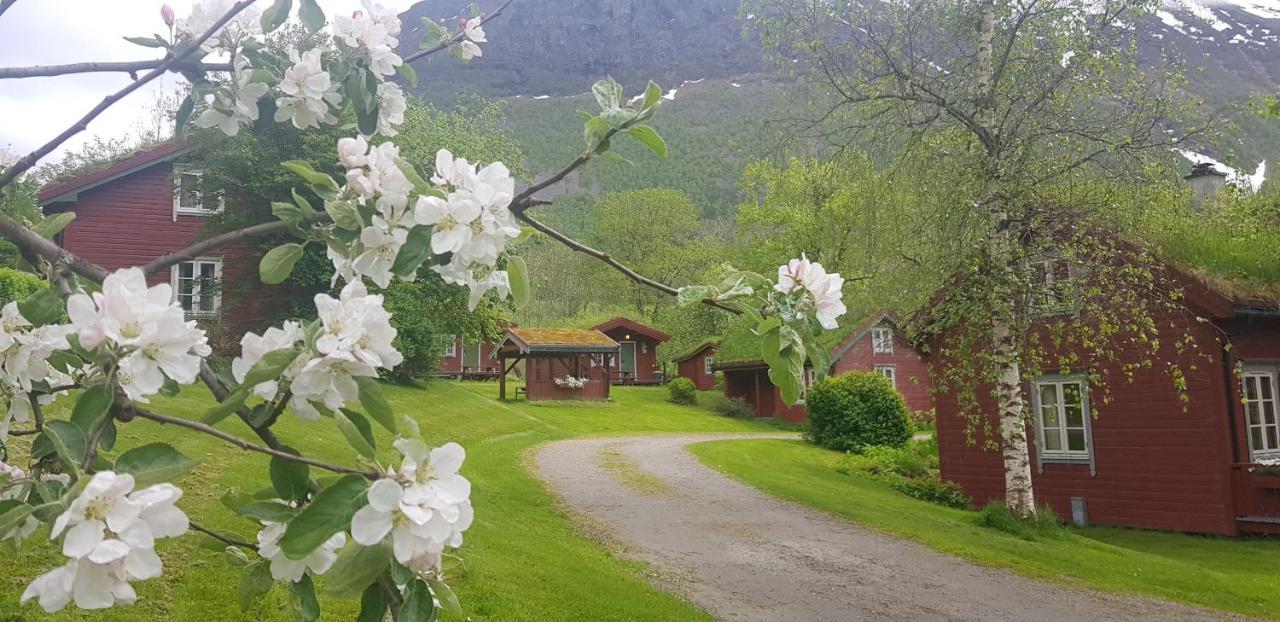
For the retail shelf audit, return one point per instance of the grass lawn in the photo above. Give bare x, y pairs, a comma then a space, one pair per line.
524, 558
1234, 575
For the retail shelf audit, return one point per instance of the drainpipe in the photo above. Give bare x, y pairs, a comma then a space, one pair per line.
1229, 384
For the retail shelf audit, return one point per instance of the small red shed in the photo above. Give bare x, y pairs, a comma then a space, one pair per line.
638, 350
1141, 459
698, 364
468, 358
560, 364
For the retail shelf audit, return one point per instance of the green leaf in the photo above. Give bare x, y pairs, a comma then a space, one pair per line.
344, 215
650, 138
329, 513
183, 116
153, 41
255, 582
92, 406
43, 307
235, 556
518, 274
67, 441
693, 294
234, 499
13, 514
304, 170
278, 263
373, 603
375, 403
233, 402
614, 156
418, 606
448, 600
275, 15
288, 212
270, 511
409, 75
303, 204
355, 436
153, 463
410, 172
652, 95
608, 93
414, 252
303, 595
311, 14
783, 351
50, 226
269, 367
356, 568
367, 119
291, 479
593, 129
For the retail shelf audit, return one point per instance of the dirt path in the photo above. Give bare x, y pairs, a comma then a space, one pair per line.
743, 555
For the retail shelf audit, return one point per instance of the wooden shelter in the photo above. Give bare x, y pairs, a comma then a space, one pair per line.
552, 354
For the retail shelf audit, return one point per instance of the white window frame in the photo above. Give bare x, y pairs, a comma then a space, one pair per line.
708, 365
882, 340
1063, 454
451, 347
178, 208
196, 295
890, 372
1256, 373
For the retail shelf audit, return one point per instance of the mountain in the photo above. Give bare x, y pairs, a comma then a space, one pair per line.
541, 52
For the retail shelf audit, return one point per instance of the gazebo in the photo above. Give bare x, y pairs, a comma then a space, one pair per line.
559, 363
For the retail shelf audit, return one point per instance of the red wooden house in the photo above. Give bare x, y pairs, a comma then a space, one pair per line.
1141, 460
468, 358
638, 355
145, 206
556, 361
875, 344
698, 364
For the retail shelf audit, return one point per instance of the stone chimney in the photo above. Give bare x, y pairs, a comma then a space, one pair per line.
1206, 182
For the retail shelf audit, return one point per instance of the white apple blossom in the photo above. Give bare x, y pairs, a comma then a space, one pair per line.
309, 90
284, 569
110, 539
468, 50
391, 108
819, 293
450, 218
473, 29
228, 110
353, 152
253, 347
205, 13
8, 157
424, 506
380, 247
24, 354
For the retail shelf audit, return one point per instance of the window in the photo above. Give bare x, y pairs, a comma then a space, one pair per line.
1051, 286
890, 372
882, 340
1260, 413
709, 365
451, 347
187, 197
197, 286
1062, 419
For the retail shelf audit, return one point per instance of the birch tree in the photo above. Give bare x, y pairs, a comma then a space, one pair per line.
1026, 93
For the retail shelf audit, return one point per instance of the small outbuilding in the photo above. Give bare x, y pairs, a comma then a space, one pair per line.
468, 358
638, 350
560, 364
698, 364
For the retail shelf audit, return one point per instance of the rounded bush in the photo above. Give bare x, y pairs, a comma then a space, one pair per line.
857, 410
17, 285
734, 407
682, 391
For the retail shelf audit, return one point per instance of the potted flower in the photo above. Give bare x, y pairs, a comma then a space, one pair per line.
571, 383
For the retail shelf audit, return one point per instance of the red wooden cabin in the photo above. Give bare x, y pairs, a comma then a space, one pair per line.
468, 358
638, 354
145, 206
1140, 460
875, 344
551, 354
698, 365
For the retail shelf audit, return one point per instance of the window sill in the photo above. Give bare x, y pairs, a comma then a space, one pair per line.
196, 212
1061, 459
203, 316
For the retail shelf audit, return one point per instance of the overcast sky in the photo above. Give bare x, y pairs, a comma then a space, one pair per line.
43, 32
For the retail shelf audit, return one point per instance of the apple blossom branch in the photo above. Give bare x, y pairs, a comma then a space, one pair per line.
11, 173
220, 537
135, 66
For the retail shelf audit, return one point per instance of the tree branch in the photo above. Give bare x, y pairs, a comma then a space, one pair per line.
219, 537
456, 38
198, 249
35, 247
143, 413
5, 4
30, 159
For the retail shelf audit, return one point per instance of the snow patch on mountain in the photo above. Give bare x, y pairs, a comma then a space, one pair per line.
1234, 175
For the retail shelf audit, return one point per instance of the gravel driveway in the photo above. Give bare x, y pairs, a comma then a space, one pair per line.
743, 555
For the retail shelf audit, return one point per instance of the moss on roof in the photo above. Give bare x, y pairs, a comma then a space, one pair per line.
695, 349
562, 337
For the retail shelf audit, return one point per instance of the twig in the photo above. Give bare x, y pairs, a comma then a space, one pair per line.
524, 200
91, 447
5, 4
266, 229
455, 38
138, 411
394, 600
221, 538
36, 412
30, 159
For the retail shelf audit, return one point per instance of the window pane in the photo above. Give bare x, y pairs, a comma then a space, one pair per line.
189, 190
1272, 441
208, 270
1049, 395
1265, 387
1255, 439
1269, 413
1049, 414
185, 270
1052, 442
1251, 410
1075, 440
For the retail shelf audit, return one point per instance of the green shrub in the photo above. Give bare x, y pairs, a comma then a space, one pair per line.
856, 410
734, 407
682, 391
933, 489
923, 420
909, 461
16, 285
1044, 524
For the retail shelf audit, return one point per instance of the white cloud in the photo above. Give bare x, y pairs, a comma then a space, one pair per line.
48, 32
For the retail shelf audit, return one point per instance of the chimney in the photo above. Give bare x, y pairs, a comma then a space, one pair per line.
1206, 182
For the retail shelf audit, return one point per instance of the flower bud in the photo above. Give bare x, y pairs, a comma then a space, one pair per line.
166, 13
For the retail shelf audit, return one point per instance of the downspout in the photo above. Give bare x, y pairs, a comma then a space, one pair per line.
1229, 387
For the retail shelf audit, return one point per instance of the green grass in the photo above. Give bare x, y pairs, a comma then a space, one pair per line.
1240, 575
525, 558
